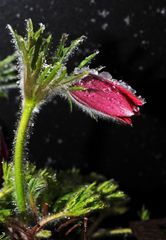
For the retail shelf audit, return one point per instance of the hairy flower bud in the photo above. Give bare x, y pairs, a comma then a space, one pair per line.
107, 97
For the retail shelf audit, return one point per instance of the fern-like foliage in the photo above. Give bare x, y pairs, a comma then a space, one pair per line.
42, 76
84, 201
3, 236
7, 75
64, 191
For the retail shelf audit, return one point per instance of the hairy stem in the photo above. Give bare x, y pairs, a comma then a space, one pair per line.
18, 154
50, 218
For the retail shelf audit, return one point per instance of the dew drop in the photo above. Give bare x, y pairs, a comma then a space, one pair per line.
106, 75
107, 90
136, 109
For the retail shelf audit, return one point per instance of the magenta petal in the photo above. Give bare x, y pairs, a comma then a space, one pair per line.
107, 97
134, 99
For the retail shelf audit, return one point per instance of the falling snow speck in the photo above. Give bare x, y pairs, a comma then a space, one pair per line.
141, 68
103, 13
104, 26
141, 31
92, 1
93, 20
31, 9
49, 160
145, 42
161, 11
47, 139
59, 141
18, 15
127, 20
135, 35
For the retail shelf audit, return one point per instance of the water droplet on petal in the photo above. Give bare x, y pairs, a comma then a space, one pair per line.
136, 109
106, 75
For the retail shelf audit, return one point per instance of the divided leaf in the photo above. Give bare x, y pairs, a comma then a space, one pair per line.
40, 77
7, 75
84, 201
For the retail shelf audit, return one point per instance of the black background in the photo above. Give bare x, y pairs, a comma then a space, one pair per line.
131, 37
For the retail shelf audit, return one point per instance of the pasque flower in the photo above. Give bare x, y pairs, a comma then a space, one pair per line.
107, 97
42, 77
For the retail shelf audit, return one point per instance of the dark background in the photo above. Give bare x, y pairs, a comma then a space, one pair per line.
131, 37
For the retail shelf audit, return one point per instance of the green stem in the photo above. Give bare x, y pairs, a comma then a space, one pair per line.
18, 153
51, 218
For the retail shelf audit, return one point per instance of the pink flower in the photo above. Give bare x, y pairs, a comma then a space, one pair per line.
107, 97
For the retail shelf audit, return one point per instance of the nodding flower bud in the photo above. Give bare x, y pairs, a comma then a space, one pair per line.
107, 97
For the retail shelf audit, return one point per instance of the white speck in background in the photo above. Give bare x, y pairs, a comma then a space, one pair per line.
59, 141
127, 20
17, 15
49, 160
93, 20
145, 42
31, 9
47, 139
141, 68
103, 13
92, 1
161, 11
135, 35
104, 26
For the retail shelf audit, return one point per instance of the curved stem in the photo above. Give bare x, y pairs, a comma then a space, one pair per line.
18, 153
48, 219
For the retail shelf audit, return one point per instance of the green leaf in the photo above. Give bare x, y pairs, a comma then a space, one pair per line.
84, 201
77, 88
44, 234
60, 48
87, 59
7, 75
70, 103
53, 73
7, 61
144, 214
3, 236
62, 53
4, 213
